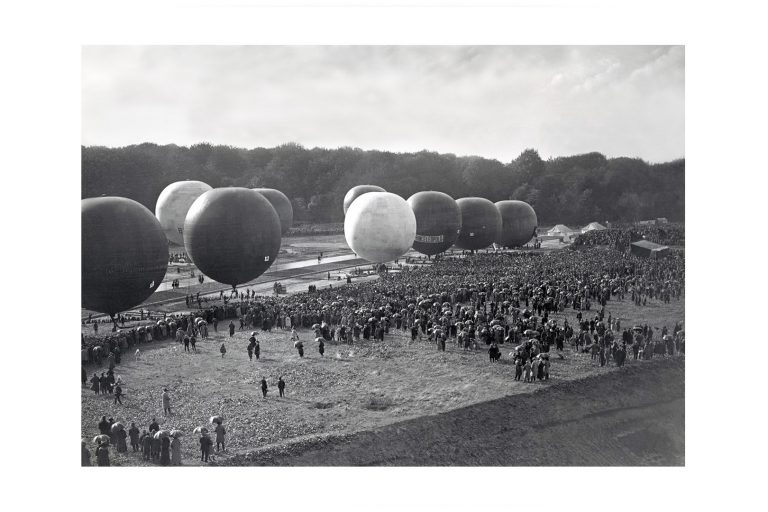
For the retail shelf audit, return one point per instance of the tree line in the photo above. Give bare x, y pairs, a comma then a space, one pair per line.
570, 190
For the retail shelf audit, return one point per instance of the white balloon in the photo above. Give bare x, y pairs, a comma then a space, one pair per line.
380, 226
173, 205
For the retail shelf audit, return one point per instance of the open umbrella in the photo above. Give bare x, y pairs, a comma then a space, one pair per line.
315, 326
216, 419
101, 438
176, 433
117, 427
200, 430
162, 433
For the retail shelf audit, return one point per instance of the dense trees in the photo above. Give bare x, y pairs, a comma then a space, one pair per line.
574, 189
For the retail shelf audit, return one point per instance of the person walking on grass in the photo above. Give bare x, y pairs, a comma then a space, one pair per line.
527, 371
166, 402
193, 342
223, 350
95, 383
231, 328
281, 386
264, 387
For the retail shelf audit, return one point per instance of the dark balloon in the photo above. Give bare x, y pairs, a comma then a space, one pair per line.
438, 221
356, 192
480, 223
124, 254
518, 223
282, 206
232, 234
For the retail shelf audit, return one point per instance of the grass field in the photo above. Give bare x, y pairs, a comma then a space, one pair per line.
352, 389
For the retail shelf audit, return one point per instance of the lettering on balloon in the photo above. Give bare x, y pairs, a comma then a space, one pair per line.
429, 239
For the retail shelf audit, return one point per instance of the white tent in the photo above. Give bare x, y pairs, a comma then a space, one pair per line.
561, 229
592, 226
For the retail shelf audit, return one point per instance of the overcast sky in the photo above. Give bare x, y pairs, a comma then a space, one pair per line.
492, 101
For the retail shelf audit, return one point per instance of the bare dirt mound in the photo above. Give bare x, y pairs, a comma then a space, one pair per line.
633, 416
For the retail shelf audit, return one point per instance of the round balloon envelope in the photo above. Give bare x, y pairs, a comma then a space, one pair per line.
282, 206
172, 206
518, 223
124, 254
232, 234
438, 221
356, 192
380, 226
480, 223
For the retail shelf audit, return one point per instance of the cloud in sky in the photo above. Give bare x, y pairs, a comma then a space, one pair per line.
492, 101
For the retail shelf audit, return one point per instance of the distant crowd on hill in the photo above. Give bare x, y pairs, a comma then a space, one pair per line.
621, 238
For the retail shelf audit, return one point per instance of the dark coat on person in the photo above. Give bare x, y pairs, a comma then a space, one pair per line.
85, 456
102, 455
165, 452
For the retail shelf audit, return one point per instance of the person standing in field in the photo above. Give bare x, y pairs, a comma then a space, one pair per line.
223, 350
146, 445
231, 328
205, 446
166, 402
118, 394
122, 447
133, 433
527, 370
165, 451
281, 386
535, 369
102, 454
220, 432
175, 452
85, 455
95, 383
264, 387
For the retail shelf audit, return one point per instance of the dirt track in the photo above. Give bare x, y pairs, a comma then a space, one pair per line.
633, 416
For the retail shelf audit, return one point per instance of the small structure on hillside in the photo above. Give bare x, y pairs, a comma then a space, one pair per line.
593, 226
646, 249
